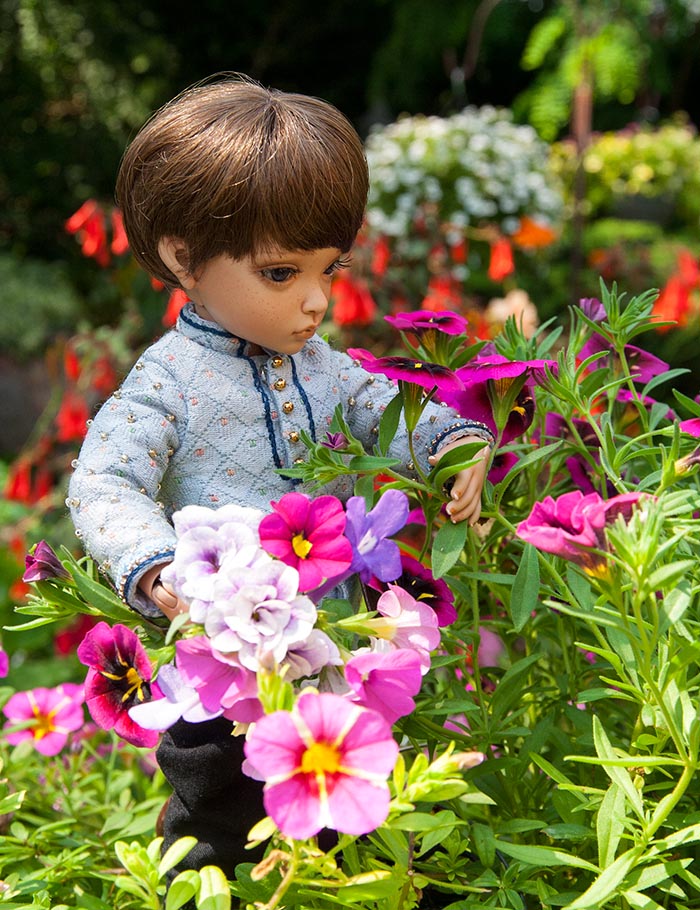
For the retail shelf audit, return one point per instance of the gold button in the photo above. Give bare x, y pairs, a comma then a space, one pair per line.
277, 362
298, 461
294, 436
280, 384
288, 407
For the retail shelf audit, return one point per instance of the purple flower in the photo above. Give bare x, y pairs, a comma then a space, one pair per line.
207, 538
308, 534
41, 563
223, 685
335, 441
420, 321
573, 526
373, 553
385, 682
501, 465
258, 613
593, 308
119, 677
306, 658
48, 716
179, 701
325, 764
418, 372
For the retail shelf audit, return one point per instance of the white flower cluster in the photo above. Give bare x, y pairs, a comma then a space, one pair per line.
473, 167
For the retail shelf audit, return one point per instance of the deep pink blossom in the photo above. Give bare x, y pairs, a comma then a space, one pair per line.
222, 683
418, 372
179, 701
41, 563
420, 321
51, 715
325, 764
4, 663
308, 534
691, 426
418, 580
573, 526
643, 366
119, 677
385, 682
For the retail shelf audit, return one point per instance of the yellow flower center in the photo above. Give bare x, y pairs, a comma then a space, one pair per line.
320, 758
133, 681
301, 546
44, 725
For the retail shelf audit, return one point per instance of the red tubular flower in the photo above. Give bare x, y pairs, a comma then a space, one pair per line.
118, 678
532, 235
80, 218
72, 417
176, 301
90, 225
443, 294
104, 377
380, 257
120, 242
71, 364
672, 304
352, 302
19, 482
501, 264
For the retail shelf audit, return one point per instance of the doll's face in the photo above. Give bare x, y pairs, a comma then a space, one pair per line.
275, 300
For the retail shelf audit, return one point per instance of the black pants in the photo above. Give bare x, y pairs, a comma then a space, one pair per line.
213, 800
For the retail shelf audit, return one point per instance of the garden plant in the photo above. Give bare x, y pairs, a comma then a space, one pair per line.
505, 715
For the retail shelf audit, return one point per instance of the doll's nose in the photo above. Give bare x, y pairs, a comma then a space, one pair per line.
316, 301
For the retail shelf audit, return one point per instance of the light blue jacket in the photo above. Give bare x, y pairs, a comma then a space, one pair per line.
198, 421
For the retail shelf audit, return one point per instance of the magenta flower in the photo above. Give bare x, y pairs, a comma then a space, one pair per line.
643, 366
223, 685
573, 525
335, 441
41, 563
50, 714
325, 764
4, 663
593, 308
691, 426
420, 321
406, 623
179, 701
418, 372
368, 532
308, 534
385, 682
119, 678
418, 581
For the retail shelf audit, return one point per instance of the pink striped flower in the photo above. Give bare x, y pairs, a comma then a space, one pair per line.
50, 716
325, 764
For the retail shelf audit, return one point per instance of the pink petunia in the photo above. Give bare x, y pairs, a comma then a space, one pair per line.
51, 715
118, 678
385, 682
222, 684
406, 623
308, 534
325, 764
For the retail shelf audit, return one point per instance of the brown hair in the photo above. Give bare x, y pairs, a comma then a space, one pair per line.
231, 167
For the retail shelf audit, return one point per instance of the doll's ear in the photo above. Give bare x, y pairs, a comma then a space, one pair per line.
175, 257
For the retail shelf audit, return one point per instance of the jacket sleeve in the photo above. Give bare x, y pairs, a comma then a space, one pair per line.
365, 396
113, 492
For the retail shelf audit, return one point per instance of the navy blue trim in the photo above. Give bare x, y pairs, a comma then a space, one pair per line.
304, 398
260, 386
164, 556
204, 328
462, 428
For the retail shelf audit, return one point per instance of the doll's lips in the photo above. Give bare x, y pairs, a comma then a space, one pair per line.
307, 333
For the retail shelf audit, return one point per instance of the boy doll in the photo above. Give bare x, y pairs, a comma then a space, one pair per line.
249, 200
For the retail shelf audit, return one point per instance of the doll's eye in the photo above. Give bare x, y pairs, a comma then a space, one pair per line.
338, 265
279, 274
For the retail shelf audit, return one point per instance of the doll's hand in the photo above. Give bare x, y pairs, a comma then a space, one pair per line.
161, 594
468, 484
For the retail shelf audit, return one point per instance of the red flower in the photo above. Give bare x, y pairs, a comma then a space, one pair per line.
532, 235
104, 378
672, 304
380, 257
459, 251
67, 640
352, 302
72, 417
71, 364
90, 226
688, 268
120, 242
19, 482
176, 301
501, 264
443, 294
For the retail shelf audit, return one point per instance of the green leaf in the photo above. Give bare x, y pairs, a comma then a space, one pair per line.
389, 423
214, 892
618, 775
175, 853
606, 885
543, 857
610, 824
447, 546
371, 464
526, 588
182, 889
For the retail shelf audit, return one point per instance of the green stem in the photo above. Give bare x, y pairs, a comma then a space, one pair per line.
287, 880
